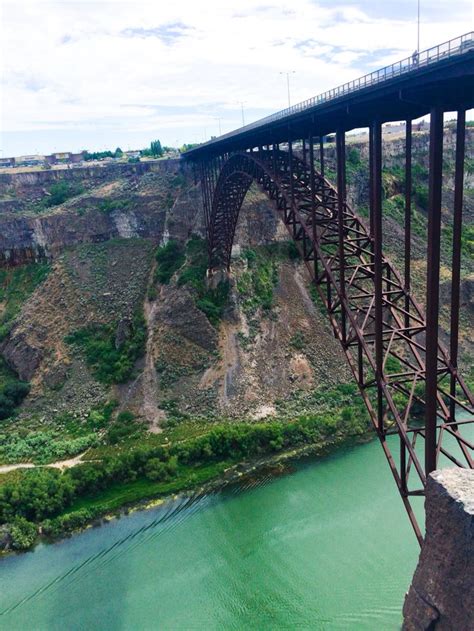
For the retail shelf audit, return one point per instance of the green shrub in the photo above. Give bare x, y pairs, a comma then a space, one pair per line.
108, 363
67, 523
43, 447
211, 301
353, 156
156, 469
6, 407
298, 341
110, 205
256, 285
421, 195
23, 533
12, 390
125, 426
60, 192
40, 493
170, 258
16, 391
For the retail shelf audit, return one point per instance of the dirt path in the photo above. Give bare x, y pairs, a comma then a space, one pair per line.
151, 411
60, 464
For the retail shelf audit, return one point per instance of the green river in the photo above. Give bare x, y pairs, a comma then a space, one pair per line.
327, 546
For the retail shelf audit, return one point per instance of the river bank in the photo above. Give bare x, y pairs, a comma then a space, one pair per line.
205, 476
328, 546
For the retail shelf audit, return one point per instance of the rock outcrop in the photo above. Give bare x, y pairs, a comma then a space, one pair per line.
441, 596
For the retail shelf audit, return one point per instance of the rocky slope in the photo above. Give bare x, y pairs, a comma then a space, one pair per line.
268, 353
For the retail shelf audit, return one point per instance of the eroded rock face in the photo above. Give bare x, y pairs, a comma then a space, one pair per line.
441, 596
21, 354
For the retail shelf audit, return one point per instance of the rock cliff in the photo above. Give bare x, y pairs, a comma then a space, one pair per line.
441, 596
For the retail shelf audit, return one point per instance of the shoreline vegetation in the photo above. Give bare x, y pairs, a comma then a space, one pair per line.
47, 504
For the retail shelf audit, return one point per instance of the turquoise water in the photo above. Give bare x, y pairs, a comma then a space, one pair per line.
328, 546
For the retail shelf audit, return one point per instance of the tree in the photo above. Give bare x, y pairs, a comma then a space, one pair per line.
118, 153
23, 533
155, 148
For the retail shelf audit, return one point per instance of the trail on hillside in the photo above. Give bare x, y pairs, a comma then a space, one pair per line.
151, 411
59, 464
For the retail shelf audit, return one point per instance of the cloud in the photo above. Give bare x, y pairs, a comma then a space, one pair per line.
168, 33
116, 66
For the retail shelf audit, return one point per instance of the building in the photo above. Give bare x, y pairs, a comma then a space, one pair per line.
65, 157
30, 161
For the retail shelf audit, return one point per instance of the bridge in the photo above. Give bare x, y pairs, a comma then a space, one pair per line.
391, 343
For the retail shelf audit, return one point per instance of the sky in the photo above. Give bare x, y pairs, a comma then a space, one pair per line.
96, 75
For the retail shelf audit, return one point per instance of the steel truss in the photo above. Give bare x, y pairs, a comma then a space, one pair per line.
392, 348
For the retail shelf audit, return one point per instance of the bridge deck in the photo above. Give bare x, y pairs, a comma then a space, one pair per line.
403, 90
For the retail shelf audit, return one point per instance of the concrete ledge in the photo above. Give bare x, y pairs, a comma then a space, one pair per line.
441, 596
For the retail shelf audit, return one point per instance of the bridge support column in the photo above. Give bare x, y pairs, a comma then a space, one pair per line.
408, 188
376, 216
312, 185
321, 155
432, 284
290, 168
341, 201
456, 261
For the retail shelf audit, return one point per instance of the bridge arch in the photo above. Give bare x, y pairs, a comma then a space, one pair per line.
381, 327
270, 171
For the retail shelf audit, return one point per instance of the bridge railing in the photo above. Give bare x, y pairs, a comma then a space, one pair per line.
451, 48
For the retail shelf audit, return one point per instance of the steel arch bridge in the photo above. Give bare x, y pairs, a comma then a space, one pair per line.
390, 342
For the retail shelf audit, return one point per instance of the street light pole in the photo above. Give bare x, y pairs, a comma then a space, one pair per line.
242, 110
288, 84
418, 30
219, 121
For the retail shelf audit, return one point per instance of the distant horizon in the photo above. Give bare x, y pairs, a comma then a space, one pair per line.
113, 147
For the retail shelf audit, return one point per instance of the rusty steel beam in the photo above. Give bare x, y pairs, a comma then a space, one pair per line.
341, 200
432, 284
321, 156
376, 197
408, 193
456, 257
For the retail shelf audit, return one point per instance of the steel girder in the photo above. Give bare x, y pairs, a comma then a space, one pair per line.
395, 359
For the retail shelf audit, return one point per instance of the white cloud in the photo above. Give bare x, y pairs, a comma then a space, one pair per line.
118, 65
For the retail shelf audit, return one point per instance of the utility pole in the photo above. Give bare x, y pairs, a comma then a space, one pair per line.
219, 121
288, 84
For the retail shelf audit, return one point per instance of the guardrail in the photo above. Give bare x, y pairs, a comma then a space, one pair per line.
451, 48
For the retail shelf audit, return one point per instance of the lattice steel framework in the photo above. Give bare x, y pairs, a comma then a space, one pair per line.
391, 346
